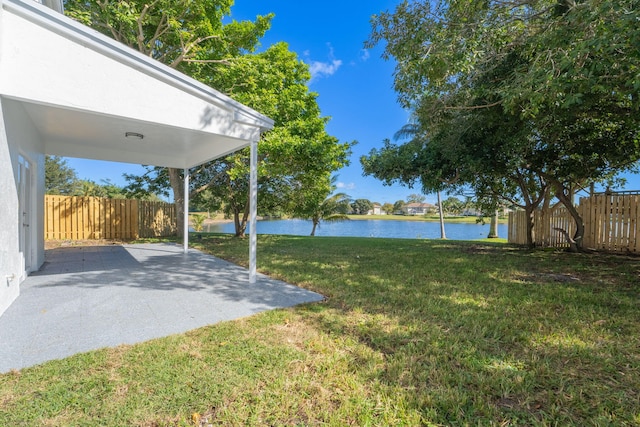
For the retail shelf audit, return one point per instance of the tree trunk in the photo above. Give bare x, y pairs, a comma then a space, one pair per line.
545, 222
241, 223
573, 246
531, 202
576, 242
529, 211
236, 223
443, 235
177, 185
313, 230
493, 228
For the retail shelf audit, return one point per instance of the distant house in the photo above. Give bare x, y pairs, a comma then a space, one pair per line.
417, 208
377, 210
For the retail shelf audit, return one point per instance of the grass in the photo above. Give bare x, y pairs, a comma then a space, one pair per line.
413, 332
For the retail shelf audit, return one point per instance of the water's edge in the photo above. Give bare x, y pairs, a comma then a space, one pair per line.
367, 228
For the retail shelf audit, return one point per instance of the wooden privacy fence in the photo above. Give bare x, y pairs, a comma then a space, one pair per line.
94, 218
611, 223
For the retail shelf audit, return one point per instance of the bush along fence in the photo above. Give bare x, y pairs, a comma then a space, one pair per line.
611, 223
94, 218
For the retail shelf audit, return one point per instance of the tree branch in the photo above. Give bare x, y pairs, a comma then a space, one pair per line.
162, 24
186, 49
452, 180
208, 61
475, 107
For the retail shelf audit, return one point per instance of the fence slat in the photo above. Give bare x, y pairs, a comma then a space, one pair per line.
611, 223
82, 218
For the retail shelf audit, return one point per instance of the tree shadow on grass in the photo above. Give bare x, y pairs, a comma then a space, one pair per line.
550, 340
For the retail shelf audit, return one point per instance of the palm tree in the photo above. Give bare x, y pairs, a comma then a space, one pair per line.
328, 210
413, 131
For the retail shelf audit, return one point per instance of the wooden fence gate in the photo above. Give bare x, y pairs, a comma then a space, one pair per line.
94, 218
611, 223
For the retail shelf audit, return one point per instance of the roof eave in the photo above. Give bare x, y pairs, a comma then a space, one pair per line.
92, 39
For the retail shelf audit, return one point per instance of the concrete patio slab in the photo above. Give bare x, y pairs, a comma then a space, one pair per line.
86, 298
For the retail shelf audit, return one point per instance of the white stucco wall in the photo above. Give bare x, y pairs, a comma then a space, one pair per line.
18, 137
9, 260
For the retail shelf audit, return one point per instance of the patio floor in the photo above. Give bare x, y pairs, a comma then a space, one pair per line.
86, 298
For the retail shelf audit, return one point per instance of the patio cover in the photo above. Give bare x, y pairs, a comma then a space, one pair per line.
85, 92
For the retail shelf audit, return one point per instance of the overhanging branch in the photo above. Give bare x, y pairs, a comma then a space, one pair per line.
474, 107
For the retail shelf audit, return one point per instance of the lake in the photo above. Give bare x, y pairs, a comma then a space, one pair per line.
367, 228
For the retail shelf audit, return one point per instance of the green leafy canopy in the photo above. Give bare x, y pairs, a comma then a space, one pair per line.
514, 98
196, 38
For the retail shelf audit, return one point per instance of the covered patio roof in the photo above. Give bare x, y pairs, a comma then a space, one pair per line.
82, 134
84, 92
88, 96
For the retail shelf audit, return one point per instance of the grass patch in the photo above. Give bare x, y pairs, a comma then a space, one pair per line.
413, 332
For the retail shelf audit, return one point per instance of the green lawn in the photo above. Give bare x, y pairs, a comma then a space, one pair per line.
413, 332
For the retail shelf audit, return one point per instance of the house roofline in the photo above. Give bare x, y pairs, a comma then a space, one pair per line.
106, 46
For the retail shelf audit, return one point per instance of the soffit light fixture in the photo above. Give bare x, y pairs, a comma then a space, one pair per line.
133, 135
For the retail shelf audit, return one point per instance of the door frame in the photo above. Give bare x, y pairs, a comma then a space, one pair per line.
26, 215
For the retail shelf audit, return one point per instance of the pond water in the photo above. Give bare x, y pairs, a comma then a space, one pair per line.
367, 228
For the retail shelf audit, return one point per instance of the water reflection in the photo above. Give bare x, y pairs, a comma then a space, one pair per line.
367, 228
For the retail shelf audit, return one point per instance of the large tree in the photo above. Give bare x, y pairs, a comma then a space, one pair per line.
191, 37
387, 208
361, 206
59, 177
460, 158
398, 205
298, 156
186, 35
548, 89
295, 158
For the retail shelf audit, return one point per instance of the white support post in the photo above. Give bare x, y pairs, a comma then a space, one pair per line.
253, 188
185, 228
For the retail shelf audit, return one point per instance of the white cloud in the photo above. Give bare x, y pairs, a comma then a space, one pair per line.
345, 186
364, 54
320, 69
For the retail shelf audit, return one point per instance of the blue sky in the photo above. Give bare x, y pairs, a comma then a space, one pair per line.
355, 86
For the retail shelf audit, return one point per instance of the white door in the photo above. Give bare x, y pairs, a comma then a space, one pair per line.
25, 227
